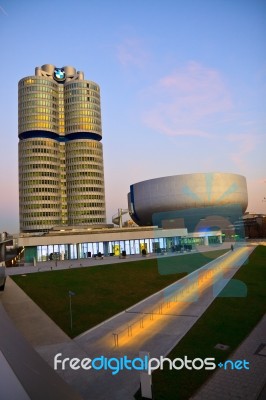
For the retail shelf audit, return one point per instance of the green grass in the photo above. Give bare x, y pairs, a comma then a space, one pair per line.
228, 321
103, 291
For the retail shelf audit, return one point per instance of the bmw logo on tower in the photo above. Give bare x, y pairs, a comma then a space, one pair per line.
59, 74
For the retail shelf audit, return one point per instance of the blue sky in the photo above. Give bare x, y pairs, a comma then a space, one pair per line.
183, 86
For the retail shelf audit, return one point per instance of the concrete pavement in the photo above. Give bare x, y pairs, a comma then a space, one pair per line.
24, 375
241, 384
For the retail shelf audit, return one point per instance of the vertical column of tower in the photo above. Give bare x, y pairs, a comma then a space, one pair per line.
62, 154
84, 156
39, 149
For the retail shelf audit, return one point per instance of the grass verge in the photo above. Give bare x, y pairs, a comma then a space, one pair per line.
228, 321
103, 291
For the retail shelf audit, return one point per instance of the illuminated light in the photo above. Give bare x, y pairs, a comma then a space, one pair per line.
29, 81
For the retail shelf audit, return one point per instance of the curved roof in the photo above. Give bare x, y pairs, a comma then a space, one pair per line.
184, 192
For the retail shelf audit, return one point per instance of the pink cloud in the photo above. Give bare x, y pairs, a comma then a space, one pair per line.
186, 101
243, 144
131, 52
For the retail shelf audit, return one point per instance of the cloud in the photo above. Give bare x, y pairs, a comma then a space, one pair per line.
243, 144
3, 11
187, 101
131, 52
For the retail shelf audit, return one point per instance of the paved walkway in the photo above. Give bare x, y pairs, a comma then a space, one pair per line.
154, 325
24, 375
241, 384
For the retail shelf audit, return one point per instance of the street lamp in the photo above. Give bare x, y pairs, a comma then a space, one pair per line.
70, 294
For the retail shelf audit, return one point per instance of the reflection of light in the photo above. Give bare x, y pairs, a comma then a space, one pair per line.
204, 230
140, 329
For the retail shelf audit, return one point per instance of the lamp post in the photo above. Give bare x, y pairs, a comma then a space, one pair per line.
70, 294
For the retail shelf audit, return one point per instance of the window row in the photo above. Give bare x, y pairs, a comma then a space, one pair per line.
38, 166
51, 182
38, 88
30, 96
84, 221
81, 91
34, 80
80, 189
37, 110
47, 143
71, 159
39, 214
27, 175
85, 151
83, 127
86, 197
32, 103
37, 117
30, 199
86, 213
89, 204
41, 223
39, 190
77, 120
75, 162
40, 150
77, 99
80, 174
85, 144
36, 125
39, 158
83, 85
73, 184
78, 106
89, 112
39, 206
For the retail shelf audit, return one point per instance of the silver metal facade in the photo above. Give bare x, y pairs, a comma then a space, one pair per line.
184, 192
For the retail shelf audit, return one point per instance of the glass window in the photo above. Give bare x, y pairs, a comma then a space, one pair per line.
127, 247
73, 251
137, 247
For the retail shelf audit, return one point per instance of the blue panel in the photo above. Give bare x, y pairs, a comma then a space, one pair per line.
55, 136
39, 134
83, 135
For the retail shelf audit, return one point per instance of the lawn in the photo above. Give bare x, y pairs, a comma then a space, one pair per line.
228, 321
103, 291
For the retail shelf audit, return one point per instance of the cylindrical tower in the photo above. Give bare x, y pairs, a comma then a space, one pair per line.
84, 157
39, 162
61, 178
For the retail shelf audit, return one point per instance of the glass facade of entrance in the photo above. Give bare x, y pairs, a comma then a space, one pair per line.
115, 248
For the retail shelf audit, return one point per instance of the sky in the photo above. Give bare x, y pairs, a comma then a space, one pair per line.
183, 86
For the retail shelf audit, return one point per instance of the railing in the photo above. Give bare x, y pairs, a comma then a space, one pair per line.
192, 285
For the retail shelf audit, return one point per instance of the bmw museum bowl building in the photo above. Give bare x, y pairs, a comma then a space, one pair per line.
188, 199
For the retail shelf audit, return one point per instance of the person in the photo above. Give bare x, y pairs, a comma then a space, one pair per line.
232, 247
